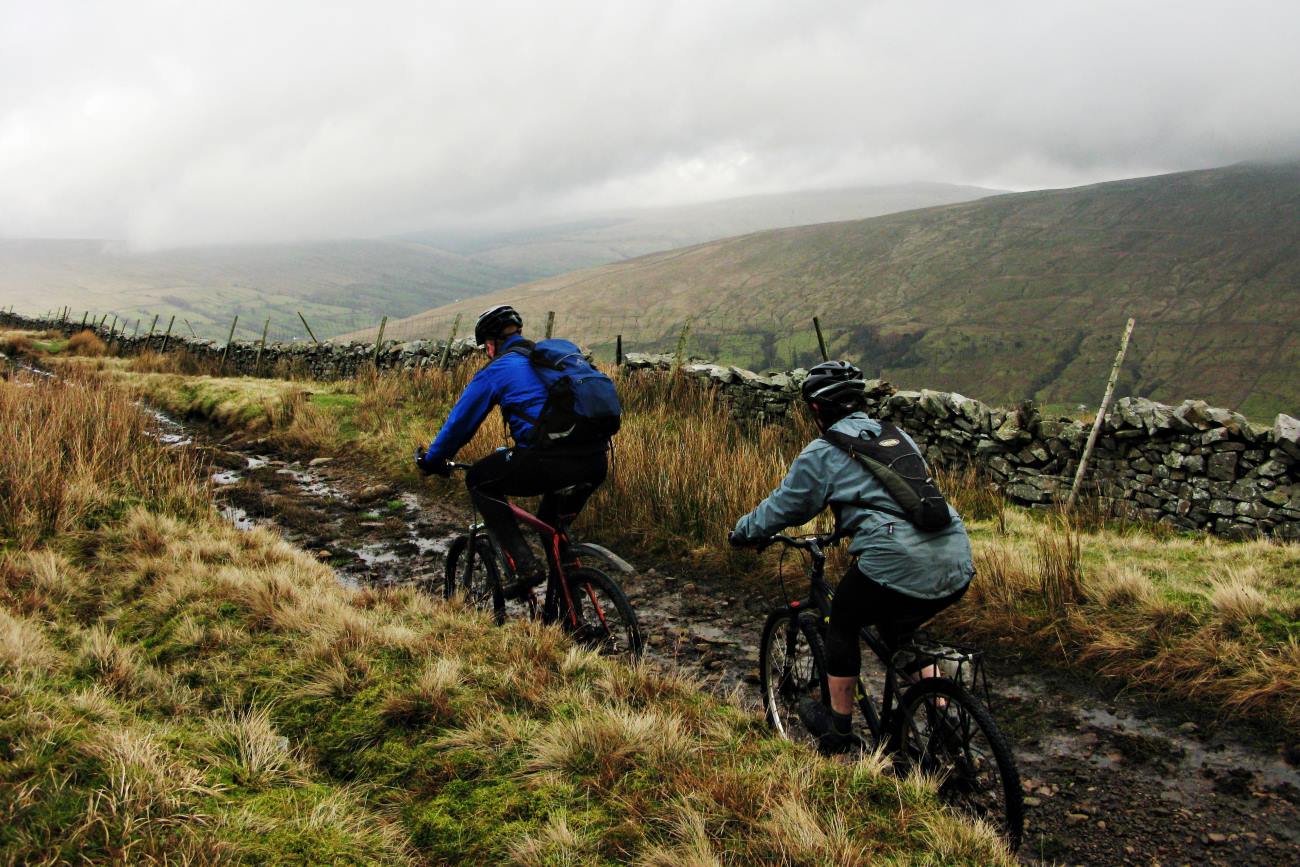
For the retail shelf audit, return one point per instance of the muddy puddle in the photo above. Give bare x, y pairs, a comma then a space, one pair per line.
1108, 779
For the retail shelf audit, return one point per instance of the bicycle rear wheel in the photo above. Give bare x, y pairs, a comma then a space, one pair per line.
476, 577
791, 667
605, 620
948, 734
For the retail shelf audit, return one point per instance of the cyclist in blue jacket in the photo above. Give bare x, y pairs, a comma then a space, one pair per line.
510, 382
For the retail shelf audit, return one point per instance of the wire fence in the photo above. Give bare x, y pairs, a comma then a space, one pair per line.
1162, 353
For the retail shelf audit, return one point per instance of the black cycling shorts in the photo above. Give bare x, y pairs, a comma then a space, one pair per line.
860, 602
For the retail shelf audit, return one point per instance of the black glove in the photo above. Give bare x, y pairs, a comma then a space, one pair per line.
736, 540
432, 467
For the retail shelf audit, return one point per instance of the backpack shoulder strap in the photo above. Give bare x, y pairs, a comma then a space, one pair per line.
523, 347
850, 444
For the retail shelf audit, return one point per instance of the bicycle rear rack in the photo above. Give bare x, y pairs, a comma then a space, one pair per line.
959, 663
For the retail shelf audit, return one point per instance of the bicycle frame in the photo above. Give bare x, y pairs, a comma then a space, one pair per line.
556, 543
819, 599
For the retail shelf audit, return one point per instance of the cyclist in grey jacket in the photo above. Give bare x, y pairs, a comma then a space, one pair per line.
901, 577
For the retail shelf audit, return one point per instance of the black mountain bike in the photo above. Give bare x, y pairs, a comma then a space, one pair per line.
589, 604
936, 724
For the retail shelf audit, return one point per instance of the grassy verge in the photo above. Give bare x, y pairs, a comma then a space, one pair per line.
1184, 615
172, 689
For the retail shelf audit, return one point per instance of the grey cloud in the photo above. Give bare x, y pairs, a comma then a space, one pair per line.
164, 123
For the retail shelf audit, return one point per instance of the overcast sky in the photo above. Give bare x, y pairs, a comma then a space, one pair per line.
178, 122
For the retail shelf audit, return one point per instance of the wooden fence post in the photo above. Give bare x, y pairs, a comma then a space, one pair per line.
112, 329
1101, 417
226, 350
148, 338
83, 320
618, 351
446, 350
550, 323
379, 340
821, 341
168, 336
257, 362
193, 333
681, 346
311, 333
136, 332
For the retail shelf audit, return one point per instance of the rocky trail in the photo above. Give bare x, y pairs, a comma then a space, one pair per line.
1109, 779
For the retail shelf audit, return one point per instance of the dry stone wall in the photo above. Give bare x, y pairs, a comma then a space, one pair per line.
1193, 466
318, 361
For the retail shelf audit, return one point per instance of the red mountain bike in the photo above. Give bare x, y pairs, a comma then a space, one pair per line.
586, 601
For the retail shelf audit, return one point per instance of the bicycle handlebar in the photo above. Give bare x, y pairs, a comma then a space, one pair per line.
812, 544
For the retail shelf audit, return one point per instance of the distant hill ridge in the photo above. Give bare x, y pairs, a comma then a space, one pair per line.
347, 284
1003, 298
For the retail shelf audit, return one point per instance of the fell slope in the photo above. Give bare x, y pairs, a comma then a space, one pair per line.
547, 250
339, 285
348, 284
1013, 296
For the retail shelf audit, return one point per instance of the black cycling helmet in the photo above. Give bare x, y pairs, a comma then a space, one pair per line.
835, 385
493, 321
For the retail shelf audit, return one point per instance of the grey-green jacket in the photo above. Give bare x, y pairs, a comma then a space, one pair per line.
890, 550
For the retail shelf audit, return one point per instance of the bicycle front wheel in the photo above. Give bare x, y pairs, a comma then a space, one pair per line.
475, 575
945, 732
602, 618
791, 667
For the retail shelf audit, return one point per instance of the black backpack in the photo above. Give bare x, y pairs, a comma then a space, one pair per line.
582, 406
901, 470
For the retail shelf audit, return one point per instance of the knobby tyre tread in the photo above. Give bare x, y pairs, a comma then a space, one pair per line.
1012, 821
802, 677
486, 597
608, 593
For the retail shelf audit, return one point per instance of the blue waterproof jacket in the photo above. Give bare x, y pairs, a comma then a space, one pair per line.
508, 381
890, 550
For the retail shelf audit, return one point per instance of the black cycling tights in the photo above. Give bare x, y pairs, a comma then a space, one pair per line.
527, 473
859, 601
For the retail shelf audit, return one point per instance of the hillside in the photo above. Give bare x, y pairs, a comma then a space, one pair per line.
546, 250
344, 285
1003, 298
338, 285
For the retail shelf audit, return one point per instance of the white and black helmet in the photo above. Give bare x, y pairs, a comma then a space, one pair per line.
835, 384
493, 321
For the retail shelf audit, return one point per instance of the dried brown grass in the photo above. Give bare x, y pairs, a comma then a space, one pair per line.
16, 343
177, 361
73, 453
86, 343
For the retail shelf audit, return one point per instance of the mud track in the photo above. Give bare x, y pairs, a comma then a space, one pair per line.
1109, 779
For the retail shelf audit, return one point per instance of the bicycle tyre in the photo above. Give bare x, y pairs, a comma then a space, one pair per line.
941, 742
480, 584
791, 666
596, 597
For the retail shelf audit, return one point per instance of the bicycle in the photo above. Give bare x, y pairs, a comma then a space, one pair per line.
587, 601
936, 724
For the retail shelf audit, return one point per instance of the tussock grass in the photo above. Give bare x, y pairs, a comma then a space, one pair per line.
175, 361
1190, 616
85, 343
16, 343
76, 454
190, 693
